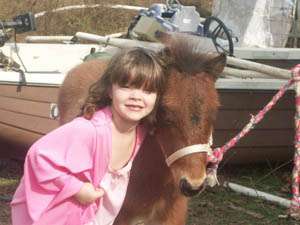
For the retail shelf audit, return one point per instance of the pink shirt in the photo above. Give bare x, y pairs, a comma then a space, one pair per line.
115, 184
57, 165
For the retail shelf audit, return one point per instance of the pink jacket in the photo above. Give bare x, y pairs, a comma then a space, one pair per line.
56, 167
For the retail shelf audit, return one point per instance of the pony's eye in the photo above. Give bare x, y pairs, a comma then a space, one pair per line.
167, 122
195, 119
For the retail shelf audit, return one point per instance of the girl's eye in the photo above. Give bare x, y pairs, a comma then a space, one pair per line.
125, 86
148, 92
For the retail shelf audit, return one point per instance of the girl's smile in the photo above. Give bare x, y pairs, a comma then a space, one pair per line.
134, 107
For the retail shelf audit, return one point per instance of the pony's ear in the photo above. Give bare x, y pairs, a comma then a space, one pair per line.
163, 37
165, 52
215, 65
166, 55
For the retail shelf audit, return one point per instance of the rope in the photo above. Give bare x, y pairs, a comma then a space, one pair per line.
219, 152
295, 206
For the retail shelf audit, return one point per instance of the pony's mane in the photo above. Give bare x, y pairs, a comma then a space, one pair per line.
188, 54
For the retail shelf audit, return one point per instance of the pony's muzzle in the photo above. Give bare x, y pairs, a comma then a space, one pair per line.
188, 190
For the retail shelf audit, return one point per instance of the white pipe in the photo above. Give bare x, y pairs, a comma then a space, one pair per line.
117, 42
115, 35
38, 39
47, 39
83, 6
129, 7
65, 8
259, 194
262, 68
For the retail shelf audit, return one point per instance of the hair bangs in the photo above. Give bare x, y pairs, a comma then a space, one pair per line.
145, 76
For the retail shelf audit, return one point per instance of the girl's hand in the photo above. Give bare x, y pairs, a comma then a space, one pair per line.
88, 194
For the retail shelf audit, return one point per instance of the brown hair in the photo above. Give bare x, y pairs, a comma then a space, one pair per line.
135, 67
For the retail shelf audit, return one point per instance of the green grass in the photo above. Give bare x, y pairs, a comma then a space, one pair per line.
10, 172
219, 205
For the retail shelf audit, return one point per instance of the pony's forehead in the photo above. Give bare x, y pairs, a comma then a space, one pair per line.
201, 45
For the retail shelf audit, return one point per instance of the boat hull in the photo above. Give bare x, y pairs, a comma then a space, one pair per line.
25, 115
270, 141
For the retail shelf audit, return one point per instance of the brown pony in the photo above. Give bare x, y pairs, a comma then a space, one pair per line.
158, 193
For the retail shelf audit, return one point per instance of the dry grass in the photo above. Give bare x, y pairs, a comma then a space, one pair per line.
100, 20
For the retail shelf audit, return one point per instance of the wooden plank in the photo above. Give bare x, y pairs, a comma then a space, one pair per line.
34, 124
256, 138
237, 119
285, 64
248, 155
39, 109
233, 72
254, 100
33, 93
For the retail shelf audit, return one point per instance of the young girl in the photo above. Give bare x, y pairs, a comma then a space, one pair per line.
78, 174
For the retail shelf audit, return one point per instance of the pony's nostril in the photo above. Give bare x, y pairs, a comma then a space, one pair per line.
187, 189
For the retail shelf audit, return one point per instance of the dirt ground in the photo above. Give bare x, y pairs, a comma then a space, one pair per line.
10, 173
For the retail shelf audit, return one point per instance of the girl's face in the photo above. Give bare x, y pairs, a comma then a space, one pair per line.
132, 104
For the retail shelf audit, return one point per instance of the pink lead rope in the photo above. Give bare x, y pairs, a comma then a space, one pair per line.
218, 153
295, 207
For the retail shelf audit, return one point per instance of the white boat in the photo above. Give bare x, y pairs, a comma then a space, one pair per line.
28, 102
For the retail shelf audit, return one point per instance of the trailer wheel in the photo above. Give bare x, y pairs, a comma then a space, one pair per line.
221, 36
